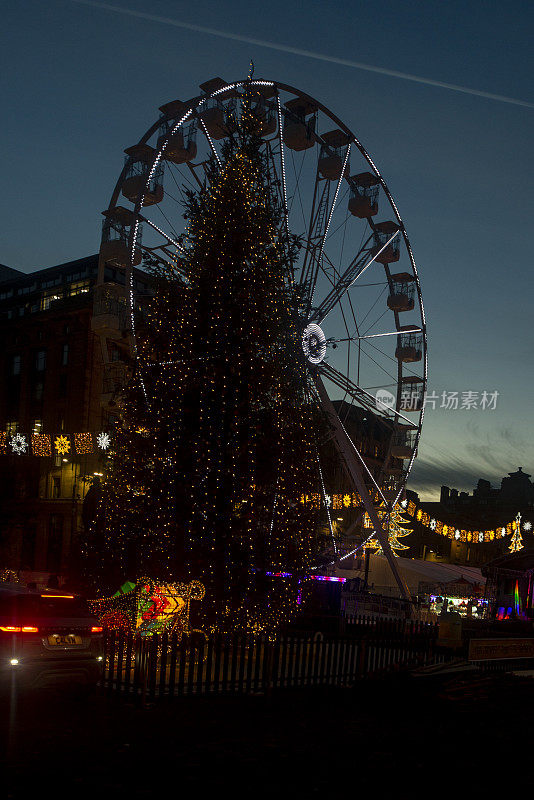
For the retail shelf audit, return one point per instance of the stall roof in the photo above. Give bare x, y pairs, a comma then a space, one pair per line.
414, 572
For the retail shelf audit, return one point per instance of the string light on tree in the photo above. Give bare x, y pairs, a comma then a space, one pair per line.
218, 438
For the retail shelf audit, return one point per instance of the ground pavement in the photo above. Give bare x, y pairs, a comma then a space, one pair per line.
401, 736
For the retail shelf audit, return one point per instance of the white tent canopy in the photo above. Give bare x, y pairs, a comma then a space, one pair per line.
414, 572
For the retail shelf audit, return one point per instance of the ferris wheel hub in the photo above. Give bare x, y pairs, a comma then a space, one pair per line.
314, 343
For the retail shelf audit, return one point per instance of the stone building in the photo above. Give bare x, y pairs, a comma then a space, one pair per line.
53, 381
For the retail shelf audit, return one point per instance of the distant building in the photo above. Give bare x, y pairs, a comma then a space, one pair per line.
485, 509
55, 379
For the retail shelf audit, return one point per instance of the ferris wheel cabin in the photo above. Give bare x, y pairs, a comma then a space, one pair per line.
401, 292
216, 111
181, 145
409, 344
412, 393
404, 441
332, 155
139, 160
383, 233
115, 244
264, 113
363, 200
299, 131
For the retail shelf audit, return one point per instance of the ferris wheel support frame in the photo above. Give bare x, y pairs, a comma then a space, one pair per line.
346, 452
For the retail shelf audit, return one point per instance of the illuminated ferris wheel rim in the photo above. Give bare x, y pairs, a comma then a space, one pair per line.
191, 113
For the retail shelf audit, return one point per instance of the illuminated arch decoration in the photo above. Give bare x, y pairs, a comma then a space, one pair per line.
459, 534
46, 445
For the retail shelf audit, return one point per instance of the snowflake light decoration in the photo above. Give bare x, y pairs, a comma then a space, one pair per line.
62, 445
432, 524
19, 445
456, 534
527, 526
481, 537
404, 503
103, 441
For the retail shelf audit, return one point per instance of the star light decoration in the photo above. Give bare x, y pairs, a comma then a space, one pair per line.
62, 445
103, 441
19, 444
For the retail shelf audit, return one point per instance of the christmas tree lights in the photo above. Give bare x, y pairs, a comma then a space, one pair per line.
219, 434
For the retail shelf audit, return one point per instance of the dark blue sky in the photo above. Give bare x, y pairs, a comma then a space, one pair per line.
79, 84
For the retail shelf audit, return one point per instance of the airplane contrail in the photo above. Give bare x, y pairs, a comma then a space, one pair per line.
283, 48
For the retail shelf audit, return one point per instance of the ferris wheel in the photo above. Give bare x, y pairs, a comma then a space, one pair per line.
363, 330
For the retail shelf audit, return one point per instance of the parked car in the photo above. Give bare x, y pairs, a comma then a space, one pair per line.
48, 639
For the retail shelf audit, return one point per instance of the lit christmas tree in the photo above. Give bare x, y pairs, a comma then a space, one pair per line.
396, 531
219, 433
516, 542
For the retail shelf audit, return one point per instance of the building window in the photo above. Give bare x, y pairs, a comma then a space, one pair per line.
12, 427
55, 543
39, 390
37, 426
40, 360
79, 287
50, 297
65, 355
56, 487
15, 365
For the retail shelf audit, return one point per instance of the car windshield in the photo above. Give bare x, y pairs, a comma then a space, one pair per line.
32, 607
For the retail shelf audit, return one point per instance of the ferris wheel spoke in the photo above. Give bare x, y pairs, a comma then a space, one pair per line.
349, 387
373, 336
282, 164
170, 239
334, 417
320, 220
326, 504
357, 266
210, 140
361, 395
380, 367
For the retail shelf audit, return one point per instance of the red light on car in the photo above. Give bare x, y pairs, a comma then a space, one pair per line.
96, 629
10, 628
29, 629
